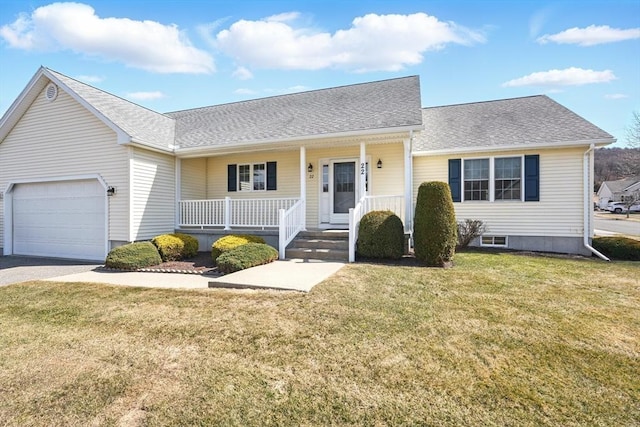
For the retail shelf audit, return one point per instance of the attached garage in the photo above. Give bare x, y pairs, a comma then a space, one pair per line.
62, 219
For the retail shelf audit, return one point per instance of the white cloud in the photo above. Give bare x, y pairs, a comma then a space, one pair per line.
147, 45
568, 77
242, 73
90, 79
616, 96
244, 91
374, 42
591, 35
283, 17
146, 96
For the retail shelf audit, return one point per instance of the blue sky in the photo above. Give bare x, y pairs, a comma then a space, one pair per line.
180, 54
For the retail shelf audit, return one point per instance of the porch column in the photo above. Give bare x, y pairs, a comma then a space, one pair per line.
408, 186
178, 191
363, 171
303, 186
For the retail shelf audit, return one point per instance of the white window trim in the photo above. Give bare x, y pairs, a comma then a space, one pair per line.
251, 189
493, 244
492, 181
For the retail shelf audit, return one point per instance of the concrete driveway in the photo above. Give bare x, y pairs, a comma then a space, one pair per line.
16, 269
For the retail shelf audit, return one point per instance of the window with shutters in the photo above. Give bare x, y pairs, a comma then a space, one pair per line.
252, 177
515, 178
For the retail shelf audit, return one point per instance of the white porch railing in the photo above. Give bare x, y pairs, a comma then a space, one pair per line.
291, 223
228, 213
366, 205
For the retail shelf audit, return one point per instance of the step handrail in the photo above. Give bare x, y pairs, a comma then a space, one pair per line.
291, 222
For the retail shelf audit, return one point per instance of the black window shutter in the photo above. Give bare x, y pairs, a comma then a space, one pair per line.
532, 178
232, 178
272, 180
455, 179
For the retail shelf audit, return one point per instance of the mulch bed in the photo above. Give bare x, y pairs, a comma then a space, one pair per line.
199, 264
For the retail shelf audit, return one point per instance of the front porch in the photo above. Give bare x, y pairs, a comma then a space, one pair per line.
277, 220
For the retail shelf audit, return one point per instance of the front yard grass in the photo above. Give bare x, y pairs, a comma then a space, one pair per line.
500, 339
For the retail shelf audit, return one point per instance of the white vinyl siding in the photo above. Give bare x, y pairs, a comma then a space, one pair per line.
153, 197
193, 179
60, 139
288, 177
387, 181
558, 213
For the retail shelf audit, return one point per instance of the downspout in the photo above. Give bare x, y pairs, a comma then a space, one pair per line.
587, 203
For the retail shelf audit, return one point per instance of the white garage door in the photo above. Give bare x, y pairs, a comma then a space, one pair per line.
64, 219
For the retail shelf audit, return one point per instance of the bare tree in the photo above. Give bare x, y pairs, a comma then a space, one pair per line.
633, 131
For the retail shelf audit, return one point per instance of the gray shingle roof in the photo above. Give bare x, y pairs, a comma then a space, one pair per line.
141, 124
361, 107
508, 122
621, 184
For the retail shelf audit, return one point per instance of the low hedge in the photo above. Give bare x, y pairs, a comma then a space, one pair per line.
173, 247
246, 256
232, 241
381, 235
618, 248
133, 256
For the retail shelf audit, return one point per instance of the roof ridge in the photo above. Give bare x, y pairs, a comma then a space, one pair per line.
487, 101
292, 94
106, 92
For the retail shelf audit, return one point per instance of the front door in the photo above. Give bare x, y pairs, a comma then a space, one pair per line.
343, 187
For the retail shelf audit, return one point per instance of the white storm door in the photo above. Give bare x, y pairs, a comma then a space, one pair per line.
343, 187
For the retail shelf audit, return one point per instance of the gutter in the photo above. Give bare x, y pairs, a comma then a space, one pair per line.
587, 203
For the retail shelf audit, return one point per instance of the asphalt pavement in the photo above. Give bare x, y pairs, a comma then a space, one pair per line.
16, 269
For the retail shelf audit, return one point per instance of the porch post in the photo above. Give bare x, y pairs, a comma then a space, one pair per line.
178, 192
363, 171
303, 186
408, 186
227, 213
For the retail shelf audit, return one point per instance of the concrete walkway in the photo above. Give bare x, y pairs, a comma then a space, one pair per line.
291, 275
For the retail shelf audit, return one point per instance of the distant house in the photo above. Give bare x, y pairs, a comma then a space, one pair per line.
83, 171
618, 191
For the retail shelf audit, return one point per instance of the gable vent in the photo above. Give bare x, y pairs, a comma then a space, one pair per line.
51, 93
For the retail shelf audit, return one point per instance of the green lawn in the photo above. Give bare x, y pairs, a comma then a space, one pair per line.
500, 339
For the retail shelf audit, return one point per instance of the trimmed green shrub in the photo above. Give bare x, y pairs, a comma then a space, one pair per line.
435, 227
618, 247
191, 245
246, 256
133, 256
173, 247
381, 235
169, 246
232, 241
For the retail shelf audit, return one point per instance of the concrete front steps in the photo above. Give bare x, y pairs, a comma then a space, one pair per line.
323, 245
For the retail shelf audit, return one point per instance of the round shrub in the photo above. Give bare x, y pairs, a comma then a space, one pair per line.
232, 241
133, 256
381, 235
246, 256
435, 227
173, 247
169, 246
618, 247
191, 245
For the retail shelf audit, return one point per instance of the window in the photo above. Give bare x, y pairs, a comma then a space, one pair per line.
325, 178
508, 176
493, 179
259, 177
476, 179
252, 177
493, 241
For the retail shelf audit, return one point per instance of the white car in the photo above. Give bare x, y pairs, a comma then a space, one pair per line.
621, 207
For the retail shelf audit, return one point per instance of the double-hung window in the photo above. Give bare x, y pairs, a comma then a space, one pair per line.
476, 179
508, 178
515, 178
252, 177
